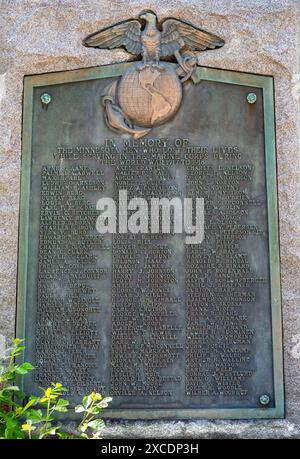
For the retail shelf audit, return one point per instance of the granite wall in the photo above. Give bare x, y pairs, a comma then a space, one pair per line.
262, 36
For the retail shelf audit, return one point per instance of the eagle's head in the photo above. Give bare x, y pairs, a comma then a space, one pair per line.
148, 16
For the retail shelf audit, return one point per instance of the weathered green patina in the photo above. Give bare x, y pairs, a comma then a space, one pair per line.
29, 229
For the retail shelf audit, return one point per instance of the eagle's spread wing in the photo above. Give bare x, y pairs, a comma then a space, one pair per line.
177, 34
127, 34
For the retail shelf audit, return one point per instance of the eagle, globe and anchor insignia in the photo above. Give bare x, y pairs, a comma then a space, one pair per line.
150, 91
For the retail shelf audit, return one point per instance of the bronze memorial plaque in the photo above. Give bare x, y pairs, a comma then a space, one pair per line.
148, 248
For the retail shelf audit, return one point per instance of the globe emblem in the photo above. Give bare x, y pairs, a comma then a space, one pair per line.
150, 92
149, 95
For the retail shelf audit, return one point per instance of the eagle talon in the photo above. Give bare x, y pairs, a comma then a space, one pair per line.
144, 66
156, 66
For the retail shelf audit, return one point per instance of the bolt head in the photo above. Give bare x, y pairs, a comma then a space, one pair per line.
251, 98
264, 399
46, 98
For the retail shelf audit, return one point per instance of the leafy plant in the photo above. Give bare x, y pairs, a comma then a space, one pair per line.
91, 407
36, 418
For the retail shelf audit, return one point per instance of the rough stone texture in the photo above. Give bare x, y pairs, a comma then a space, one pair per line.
261, 36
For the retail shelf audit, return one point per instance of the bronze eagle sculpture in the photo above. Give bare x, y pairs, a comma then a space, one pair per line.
149, 92
143, 37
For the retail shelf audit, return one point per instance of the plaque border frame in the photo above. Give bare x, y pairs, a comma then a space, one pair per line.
264, 82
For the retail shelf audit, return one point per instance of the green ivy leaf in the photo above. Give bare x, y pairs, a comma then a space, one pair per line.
23, 368
104, 403
18, 351
63, 435
13, 429
86, 401
35, 416
62, 402
96, 424
20, 395
60, 408
5, 399
28, 405
11, 388
84, 427
79, 409
95, 409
